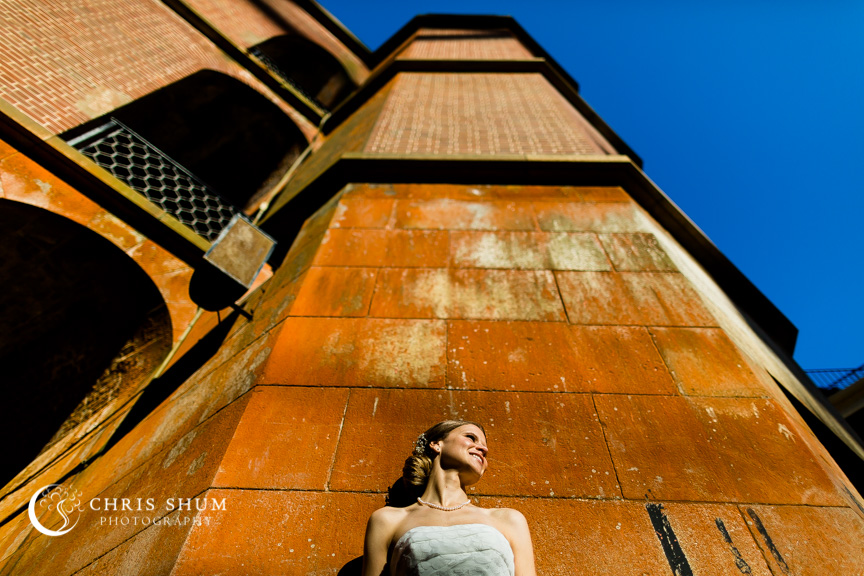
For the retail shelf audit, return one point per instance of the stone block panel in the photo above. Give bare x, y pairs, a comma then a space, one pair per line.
527, 250
711, 449
449, 214
631, 298
276, 304
637, 253
335, 292
808, 540
481, 294
704, 362
275, 533
615, 538
361, 212
393, 248
477, 192
539, 444
285, 439
554, 357
589, 217
713, 538
176, 418
603, 538
358, 352
154, 550
441, 191
603, 194
368, 190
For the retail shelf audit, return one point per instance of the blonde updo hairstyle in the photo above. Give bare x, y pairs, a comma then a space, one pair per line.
418, 466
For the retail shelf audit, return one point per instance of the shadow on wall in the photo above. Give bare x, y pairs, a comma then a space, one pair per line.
224, 132
167, 383
352, 568
308, 67
80, 324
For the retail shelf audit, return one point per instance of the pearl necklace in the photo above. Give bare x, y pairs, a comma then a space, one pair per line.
444, 508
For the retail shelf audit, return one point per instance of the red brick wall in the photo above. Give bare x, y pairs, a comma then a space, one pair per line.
481, 114
63, 63
240, 20
452, 45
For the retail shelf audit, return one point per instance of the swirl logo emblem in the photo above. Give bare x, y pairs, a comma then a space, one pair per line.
55, 497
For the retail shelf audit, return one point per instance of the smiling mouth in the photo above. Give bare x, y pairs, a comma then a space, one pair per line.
479, 458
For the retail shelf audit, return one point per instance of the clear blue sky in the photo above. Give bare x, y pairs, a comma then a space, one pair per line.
749, 115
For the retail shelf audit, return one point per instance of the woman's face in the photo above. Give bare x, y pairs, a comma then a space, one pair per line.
464, 447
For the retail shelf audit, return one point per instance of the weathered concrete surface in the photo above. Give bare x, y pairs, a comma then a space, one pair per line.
359, 352
628, 417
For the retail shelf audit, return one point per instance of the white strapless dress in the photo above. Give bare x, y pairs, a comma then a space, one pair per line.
461, 550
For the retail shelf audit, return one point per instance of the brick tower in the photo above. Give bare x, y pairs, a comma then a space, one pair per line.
458, 235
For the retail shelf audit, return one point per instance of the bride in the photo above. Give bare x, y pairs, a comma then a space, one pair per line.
443, 533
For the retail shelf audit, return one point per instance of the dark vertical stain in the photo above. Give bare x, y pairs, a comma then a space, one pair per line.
768, 542
739, 561
663, 530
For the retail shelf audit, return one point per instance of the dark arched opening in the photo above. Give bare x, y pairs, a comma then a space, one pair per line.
80, 324
225, 133
308, 67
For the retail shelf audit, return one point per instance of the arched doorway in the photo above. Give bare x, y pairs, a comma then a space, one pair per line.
80, 324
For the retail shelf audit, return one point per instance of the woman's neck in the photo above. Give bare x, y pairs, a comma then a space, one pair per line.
444, 488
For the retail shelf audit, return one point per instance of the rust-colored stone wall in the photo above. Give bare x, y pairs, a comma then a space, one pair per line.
617, 410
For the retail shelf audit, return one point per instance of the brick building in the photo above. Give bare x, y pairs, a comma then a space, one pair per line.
457, 234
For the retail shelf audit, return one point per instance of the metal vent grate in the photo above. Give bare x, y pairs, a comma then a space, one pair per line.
163, 181
267, 61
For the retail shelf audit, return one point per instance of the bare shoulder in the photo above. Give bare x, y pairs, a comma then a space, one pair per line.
387, 517
509, 516
511, 523
379, 533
